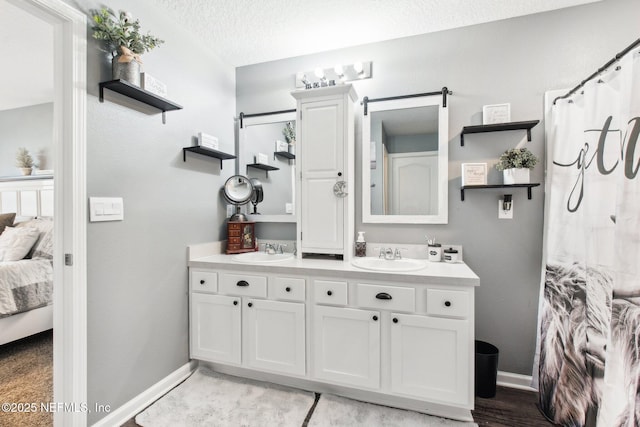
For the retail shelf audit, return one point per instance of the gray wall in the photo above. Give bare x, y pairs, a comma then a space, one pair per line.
137, 268
514, 61
30, 127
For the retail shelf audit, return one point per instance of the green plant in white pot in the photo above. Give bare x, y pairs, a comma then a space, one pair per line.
123, 38
289, 133
24, 161
515, 165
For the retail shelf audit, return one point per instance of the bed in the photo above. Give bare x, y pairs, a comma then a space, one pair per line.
26, 284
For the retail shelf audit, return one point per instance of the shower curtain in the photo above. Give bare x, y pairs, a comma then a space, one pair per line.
589, 325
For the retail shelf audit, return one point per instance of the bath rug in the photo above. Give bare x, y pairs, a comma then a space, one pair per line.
335, 411
209, 398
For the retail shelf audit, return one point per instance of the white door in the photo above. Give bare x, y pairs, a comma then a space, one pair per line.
347, 346
322, 166
430, 358
275, 333
413, 183
216, 328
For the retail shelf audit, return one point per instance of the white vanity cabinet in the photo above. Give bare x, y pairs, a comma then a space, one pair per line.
403, 340
325, 155
239, 326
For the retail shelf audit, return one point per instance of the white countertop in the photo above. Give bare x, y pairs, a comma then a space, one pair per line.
434, 273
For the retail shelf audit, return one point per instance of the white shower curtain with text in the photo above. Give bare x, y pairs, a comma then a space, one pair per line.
589, 337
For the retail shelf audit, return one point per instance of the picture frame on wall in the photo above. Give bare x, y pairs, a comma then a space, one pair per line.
496, 113
474, 174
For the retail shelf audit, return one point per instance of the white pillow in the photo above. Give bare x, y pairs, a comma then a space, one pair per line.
15, 243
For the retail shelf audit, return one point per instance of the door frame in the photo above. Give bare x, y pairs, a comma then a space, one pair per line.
70, 210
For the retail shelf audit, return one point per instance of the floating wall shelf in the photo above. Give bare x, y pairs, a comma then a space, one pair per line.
474, 187
498, 127
284, 154
263, 167
132, 91
207, 152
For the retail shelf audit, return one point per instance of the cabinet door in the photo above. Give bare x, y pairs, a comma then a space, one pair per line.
430, 358
215, 328
275, 333
347, 346
322, 166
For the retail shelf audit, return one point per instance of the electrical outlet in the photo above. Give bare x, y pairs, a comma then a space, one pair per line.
502, 214
288, 208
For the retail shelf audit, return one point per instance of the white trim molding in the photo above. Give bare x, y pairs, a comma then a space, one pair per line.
70, 210
147, 397
519, 381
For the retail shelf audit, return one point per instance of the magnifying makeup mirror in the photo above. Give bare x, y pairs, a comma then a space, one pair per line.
238, 191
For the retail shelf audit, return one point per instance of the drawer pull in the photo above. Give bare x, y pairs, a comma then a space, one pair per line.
383, 295
375, 318
242, 283
329, 293
288, 289
202, 281
235, 303
447, 303
250, 304
395, 320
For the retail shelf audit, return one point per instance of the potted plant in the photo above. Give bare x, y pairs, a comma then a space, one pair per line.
24, 161
515, 165
289, 133
122, 37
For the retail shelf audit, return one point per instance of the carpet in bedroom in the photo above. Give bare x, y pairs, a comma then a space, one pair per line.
26, 375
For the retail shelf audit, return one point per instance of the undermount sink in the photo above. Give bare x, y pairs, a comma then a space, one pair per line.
261, 257
381, 264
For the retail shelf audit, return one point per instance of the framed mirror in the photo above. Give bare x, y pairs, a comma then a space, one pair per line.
405, 161
266, 135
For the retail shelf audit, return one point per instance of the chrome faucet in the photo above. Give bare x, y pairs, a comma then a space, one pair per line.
388, 253
397, 254
269, 248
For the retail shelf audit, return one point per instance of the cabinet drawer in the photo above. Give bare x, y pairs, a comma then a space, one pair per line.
442, 302
204, 281
386, 297
243, 284
287, 288
330, 292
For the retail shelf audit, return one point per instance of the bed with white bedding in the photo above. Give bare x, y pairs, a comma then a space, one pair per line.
26, 259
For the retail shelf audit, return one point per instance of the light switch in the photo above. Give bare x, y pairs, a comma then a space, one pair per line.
106, 209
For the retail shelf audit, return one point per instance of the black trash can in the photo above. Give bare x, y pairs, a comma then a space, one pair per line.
486, 369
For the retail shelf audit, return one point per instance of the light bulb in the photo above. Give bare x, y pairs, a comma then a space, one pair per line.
358, 67
319, 72
338, 69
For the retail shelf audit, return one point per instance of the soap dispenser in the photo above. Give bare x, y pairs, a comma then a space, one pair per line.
361, 245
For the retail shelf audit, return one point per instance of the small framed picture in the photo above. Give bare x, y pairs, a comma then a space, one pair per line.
281, 146
496, 113
474, 174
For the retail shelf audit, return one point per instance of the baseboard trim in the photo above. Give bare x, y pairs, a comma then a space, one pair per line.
130, 409
508, 379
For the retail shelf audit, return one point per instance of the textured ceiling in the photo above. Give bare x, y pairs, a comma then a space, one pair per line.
246, 32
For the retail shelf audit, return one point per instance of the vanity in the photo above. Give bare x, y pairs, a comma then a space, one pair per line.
396, 332
402, 339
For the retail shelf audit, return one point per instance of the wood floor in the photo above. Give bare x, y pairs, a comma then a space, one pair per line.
510, 408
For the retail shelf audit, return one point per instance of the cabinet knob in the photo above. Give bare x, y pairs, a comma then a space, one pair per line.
375, 318
329, 293
242, 283
288, 289
383, 295
447, 303
339, 173
235, 303
202, 281
250, 304
395, 320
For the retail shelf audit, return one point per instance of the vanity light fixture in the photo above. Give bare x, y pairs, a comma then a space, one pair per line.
340, 73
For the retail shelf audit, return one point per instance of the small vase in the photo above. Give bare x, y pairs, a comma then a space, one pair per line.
26, 171
291, 148
516, 176
126, 66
